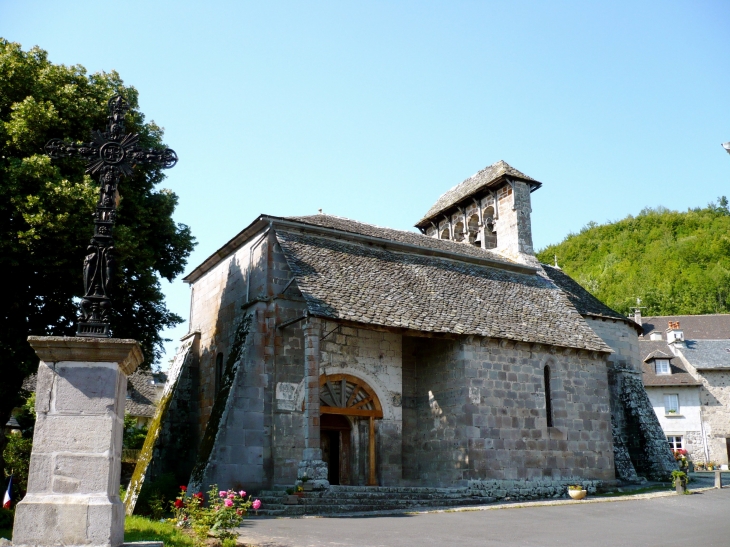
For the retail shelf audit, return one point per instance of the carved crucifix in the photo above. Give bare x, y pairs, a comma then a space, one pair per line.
111, 155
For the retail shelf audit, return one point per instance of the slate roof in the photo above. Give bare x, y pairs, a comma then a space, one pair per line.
659, 349
483, 179
402, 236
142, 394
695, 327
707, 354
584, 302
349, 281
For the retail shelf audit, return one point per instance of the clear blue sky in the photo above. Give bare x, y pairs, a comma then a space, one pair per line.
371, 110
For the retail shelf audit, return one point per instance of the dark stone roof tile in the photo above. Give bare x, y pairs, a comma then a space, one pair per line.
349, 281
707, 354
401, 236
475, 183
584, 302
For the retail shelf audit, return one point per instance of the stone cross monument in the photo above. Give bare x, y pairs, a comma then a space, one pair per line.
111, 155
73, 481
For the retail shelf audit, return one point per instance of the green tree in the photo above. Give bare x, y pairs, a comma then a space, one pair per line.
676, 262
45, 215
134, 436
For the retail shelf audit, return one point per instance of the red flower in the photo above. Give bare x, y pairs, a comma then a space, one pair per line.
178, 503
184, 488
198, 495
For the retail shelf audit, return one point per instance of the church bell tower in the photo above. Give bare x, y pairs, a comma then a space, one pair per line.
490, 210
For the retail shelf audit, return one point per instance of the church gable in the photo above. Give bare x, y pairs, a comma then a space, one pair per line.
349, 281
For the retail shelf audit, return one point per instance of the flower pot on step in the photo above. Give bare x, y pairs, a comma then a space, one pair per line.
307, 486
291, 499
577, 494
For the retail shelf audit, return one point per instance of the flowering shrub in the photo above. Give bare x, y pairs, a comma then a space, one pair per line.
681, 458
224, 511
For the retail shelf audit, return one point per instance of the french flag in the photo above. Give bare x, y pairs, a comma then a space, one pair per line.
8, 495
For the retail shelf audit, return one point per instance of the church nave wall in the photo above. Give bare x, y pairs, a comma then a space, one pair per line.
510, 437
476, 409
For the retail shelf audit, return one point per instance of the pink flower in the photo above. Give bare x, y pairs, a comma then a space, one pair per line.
231, 495
242, 493
256, 505
228, 503
223, 493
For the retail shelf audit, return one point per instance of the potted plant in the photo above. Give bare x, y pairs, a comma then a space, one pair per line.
577, 492
291, 498
679, 481
306, 485
710, 466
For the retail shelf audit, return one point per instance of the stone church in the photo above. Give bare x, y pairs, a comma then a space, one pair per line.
331, 350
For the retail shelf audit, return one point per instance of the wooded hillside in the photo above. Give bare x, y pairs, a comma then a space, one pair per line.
675, 262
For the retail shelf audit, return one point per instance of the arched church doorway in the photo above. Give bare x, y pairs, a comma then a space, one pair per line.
335, 435
343, 396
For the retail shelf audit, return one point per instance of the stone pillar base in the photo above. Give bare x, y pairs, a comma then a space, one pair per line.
73, 480
313, 470
69, 520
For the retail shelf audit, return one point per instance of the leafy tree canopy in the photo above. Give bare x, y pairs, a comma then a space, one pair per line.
676, 263
46, 215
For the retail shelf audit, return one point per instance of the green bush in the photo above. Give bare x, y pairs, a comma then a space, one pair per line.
133, 436
6, 518
17, 461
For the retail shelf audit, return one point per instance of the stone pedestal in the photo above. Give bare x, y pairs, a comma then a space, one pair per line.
73, 482
313, 470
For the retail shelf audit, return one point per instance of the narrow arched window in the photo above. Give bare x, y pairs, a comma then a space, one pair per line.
548, 398
218, 371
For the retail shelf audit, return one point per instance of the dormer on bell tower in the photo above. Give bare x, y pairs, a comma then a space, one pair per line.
490, 210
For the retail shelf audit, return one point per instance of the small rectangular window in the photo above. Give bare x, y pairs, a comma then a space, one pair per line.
671, 403
675, 442
661, 366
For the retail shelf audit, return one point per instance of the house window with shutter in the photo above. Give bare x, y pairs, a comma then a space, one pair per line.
671, 403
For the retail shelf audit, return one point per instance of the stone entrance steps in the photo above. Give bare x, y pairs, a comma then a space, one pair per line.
356, 499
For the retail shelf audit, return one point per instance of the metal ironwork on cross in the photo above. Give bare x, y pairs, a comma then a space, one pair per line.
111, 155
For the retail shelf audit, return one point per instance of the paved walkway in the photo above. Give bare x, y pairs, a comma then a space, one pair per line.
663, 519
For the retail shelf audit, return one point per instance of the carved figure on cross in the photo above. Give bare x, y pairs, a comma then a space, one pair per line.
111, 155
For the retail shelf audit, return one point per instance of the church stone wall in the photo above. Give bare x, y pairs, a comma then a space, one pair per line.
620, 337
376, 357
434, 389
479, 411
509, 411
216, 301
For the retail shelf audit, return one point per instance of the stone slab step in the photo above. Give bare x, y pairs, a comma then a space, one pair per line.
333, 508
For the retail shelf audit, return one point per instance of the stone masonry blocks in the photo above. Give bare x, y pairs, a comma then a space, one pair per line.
73, 492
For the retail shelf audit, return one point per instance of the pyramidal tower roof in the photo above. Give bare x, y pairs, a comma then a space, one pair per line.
491, 176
